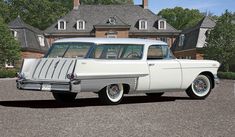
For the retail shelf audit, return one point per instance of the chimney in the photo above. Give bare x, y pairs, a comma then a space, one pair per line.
76, 3
145, 4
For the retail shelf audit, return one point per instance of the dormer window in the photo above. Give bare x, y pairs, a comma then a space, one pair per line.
80, 25
161, 24
61, 25
14, 33
41, 40
181, 40
143, 24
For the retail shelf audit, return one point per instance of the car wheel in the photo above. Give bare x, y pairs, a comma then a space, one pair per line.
64, 97
155, 94
200, 88
112, 94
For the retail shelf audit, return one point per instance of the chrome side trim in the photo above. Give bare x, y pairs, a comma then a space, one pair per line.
110, 76
95, 85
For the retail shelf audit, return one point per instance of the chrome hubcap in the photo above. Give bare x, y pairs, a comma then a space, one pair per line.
200, 85
113, 91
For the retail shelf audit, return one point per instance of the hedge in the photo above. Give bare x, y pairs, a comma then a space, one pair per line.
8, 73
226, 75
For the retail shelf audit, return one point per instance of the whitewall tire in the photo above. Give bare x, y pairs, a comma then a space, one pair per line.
200, 88
112, 94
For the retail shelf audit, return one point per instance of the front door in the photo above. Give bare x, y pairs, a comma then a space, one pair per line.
165, 72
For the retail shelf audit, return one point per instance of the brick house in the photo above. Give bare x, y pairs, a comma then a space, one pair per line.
32, 41
113, 21
190, 42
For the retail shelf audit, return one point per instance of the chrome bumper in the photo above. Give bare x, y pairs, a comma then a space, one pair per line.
53, 86
216, 79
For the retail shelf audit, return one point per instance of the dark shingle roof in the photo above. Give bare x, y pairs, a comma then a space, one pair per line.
192, 34
20, 24
206, 22
96, 14
28, 36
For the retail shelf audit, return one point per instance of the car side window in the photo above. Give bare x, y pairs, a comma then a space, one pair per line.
118, 52
155, 52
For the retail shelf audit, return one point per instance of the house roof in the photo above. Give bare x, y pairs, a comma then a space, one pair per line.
99, 14
28, 36
193, 35
18, 23
206, 22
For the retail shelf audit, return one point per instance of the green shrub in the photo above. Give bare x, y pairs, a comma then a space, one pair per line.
226, 75
8, 73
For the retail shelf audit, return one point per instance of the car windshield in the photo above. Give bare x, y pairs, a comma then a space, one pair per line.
69, 50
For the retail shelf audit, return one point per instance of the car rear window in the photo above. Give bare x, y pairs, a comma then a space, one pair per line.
69, 50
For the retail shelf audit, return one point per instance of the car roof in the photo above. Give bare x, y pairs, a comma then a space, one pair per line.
113, 41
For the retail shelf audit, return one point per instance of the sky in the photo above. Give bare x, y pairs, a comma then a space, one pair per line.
217, 7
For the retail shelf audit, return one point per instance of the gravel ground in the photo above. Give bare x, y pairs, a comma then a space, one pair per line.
25, 113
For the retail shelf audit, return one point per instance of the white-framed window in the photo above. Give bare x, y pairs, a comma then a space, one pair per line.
61, 25
80, 25
143, 24
41, 40
9, 64
161, 24
164, 39
111, 36
181, 40
14, 33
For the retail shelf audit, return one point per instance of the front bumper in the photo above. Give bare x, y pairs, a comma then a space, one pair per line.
216, 81
53, 86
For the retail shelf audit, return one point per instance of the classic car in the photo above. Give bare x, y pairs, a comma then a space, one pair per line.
114, 67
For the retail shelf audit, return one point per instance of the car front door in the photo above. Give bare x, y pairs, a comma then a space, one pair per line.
165, 72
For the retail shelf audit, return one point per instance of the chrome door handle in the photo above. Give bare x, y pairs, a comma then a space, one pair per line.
151, 64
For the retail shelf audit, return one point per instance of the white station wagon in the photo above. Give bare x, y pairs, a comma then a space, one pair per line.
114, 67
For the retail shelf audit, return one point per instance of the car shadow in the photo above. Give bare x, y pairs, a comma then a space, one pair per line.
85, 102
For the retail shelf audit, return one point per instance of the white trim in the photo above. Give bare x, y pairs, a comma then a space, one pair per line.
78, 25
59, 27
145, 25
159, 24
9, 65
14, 34
181, 40
41, 40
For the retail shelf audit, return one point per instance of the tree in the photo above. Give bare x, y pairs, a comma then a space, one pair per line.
5, 11
181, 18
221, 41
38, 13
9, 47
